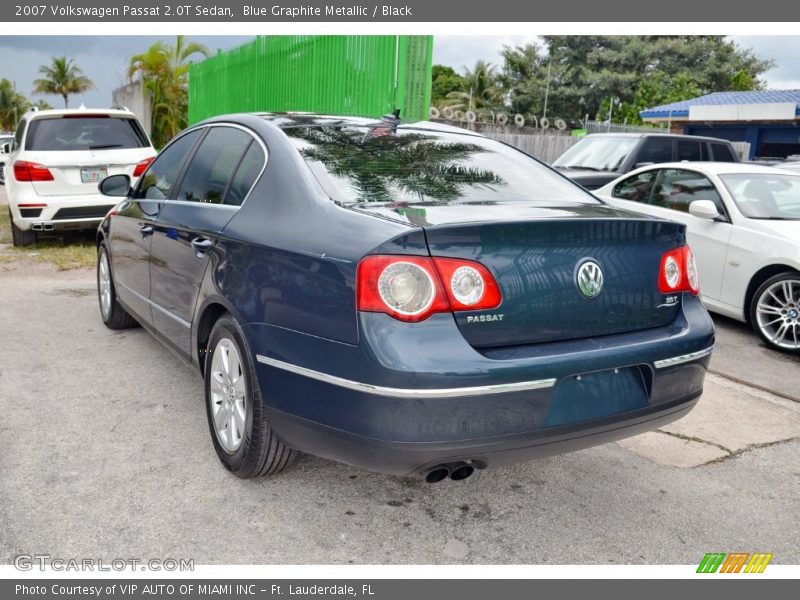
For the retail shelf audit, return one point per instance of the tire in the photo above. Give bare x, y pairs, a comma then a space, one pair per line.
112, 313
246, 445
19, 237
775, 312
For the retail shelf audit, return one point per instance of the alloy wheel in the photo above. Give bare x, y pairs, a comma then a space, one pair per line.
104, 286
778, 314
228, 395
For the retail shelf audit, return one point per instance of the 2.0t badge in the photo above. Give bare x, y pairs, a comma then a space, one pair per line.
589, 279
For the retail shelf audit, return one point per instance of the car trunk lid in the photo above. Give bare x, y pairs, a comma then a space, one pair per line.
535, 254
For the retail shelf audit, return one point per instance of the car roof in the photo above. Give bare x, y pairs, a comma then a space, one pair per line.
287, 120
641, 134
717, 168
58, 112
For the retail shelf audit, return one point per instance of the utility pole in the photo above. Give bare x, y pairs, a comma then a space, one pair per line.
14, 101
547, 88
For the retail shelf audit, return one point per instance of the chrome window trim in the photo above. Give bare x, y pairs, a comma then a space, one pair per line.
367, 388
248, 131
683, 358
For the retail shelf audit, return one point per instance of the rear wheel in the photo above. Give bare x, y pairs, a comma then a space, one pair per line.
20, 237
775, 312
114, 316
240, 428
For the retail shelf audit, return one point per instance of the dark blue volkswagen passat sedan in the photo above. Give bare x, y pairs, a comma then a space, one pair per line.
405, 298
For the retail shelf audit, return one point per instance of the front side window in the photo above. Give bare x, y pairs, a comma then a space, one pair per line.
636, 188
765, 196
677, 189
158, 181
361, 164
84, 132
213, 165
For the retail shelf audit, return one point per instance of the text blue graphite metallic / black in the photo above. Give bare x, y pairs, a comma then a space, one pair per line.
404, 298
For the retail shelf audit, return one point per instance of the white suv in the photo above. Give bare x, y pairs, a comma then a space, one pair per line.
56, 160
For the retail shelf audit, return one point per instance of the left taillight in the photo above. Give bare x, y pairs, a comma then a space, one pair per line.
412, 288
678, 272
141, 166
28, 171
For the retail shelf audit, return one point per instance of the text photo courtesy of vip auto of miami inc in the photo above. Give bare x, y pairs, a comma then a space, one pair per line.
400, 299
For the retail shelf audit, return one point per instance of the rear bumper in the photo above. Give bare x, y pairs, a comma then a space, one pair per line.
407, 398
59, 213
401, 458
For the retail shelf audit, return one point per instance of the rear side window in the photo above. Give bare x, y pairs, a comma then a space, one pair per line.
723, 153
159, 180
655, 150
84, 132
636, 188
246, 174
688, 150
677, 189
213, 165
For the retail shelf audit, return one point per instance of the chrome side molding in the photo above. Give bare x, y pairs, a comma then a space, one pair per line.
368, 388
683, 358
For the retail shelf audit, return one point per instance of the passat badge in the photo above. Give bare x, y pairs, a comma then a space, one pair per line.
590, 279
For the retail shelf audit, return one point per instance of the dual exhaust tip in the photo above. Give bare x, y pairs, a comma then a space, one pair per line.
43, 227
455, 471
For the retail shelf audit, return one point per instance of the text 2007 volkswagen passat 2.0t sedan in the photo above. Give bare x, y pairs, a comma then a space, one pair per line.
405, 298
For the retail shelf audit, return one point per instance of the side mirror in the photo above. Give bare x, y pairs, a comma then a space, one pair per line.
115, 185
703, 209
5, 148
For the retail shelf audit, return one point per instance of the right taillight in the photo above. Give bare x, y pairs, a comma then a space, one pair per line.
28, 171
412, 288
141, 166
678, 272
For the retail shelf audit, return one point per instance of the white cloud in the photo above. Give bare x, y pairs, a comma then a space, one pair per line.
460, 52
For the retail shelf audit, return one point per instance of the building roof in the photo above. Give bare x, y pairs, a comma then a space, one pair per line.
681, 109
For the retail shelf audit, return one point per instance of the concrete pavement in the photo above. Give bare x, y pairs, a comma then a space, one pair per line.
106, 453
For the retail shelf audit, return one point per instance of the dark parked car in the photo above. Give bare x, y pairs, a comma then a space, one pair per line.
602, 157
405, 298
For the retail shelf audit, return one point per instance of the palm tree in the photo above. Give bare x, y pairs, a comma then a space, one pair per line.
12, 106
481, 88
164, 71
62, 78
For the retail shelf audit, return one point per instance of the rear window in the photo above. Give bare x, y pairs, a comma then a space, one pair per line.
91, 132
599, 153
362, 164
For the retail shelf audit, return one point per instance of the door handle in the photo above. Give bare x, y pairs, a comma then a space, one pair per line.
146, 230
201, 246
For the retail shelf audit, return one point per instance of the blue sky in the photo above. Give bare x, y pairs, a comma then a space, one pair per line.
104, 58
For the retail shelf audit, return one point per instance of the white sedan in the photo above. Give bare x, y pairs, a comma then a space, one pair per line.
743, 224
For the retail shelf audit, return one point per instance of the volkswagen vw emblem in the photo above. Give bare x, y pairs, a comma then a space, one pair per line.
590, 279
